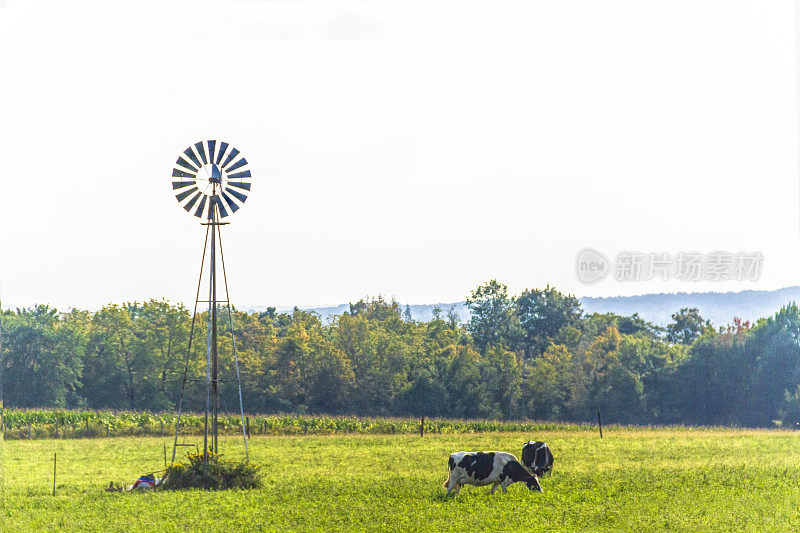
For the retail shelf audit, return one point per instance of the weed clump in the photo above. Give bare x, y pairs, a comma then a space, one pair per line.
214, 474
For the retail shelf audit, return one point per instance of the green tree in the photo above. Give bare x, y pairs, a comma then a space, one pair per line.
114, 368
543, 314
549, 383
773, 350
42, 359
493, 319
687, 325
709, 386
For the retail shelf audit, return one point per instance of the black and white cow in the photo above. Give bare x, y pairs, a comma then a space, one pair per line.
537, 457
499, 469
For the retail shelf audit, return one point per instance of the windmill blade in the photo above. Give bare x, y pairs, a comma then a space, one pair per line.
231, 203
240, 184
238, 175
199, 212
219, 203
202, 151
185, 164
181, 184
182, 196
178, 173
191, 202
211, 147
190, 154
222, 148
234, 153
236, 194
240, 163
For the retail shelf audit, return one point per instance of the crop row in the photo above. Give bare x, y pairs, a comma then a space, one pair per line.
40, 423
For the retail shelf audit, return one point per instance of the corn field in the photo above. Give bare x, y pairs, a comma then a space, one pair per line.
54, 424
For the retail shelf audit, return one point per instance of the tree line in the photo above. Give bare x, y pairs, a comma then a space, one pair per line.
535, 355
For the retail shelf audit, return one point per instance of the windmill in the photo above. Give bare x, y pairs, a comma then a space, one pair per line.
209, 178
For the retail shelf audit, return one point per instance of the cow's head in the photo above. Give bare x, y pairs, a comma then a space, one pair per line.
528, 454
533, 484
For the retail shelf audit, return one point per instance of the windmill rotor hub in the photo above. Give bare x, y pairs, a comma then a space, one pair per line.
215, 174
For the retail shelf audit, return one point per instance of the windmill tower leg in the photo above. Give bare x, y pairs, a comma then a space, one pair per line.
214, 367
209, 338
189, 349
235, 354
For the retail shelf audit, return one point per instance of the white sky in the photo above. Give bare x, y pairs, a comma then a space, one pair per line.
411, 149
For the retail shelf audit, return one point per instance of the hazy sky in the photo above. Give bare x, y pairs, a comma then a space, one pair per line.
410, 149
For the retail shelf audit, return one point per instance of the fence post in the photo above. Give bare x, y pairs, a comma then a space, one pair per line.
247, 425
422, 426
107, 431
600, 424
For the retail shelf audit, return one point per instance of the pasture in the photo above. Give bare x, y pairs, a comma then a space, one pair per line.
634, 479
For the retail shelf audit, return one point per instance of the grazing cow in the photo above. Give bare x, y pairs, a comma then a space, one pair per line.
499, 469
537, 457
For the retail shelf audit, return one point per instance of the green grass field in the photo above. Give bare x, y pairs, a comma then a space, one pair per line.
687, 480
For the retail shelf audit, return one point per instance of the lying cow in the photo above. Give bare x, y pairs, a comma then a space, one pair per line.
499, 469
537, 457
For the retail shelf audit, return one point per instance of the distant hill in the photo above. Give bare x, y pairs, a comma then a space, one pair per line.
719, 307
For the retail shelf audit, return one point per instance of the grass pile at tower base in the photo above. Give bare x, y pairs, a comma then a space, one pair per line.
215, 474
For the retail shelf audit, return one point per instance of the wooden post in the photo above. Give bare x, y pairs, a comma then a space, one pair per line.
600, 424
108, 430
247, 425
54, 473
165, 455
422, 426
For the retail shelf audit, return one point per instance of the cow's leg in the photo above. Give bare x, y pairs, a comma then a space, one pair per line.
508, 481
494, 487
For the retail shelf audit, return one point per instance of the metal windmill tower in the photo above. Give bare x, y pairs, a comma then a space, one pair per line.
207, 177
